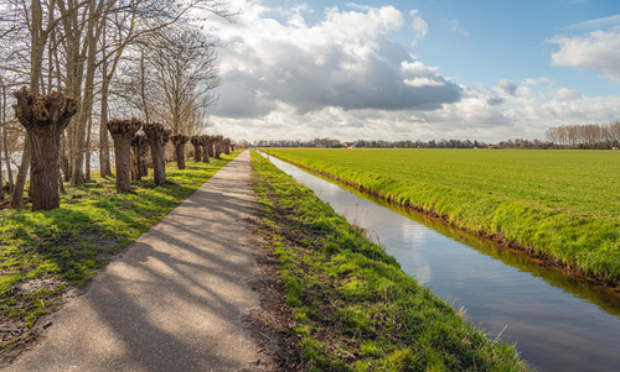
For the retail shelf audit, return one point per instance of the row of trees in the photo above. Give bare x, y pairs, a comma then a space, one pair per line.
46, 116
334, 143
131, 148
592, 136
141, 58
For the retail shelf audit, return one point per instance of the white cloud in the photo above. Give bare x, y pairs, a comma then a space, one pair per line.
595, 24
419, 26
349, 60
597, 51
346, 77
455, 26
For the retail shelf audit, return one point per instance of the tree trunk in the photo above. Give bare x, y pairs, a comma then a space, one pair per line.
197, 148
20, 182
139, 149
123, 132
179, 142
104, 143
210, 146
218, 147
88, 149
205, 151
64, 158
44, 117
157, 137
7, 160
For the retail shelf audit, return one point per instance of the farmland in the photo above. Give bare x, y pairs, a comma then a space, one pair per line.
563, 205
354, 309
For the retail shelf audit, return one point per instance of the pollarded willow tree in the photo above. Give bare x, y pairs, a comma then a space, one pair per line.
197, 148
44, 117
123, 132
204, 141
139, 151
158, 137
218, 146
179, 141
226, 143
211, 141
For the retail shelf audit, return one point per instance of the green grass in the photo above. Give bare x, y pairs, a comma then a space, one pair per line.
63, 246
354, 308
564, 205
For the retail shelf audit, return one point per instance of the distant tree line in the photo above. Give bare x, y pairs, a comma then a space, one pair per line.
317, 142
591, 136
334, 143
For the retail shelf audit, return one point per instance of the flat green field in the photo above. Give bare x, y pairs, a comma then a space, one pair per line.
563, 204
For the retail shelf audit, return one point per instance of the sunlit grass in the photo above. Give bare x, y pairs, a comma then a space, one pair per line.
68, 245
561, 204
354, 308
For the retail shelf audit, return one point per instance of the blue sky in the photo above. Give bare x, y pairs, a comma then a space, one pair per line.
488, 70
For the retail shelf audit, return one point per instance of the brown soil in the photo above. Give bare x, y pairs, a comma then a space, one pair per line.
15, 331
498, 238
271, 325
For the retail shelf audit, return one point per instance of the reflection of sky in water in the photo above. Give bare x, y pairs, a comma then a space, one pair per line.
557, 327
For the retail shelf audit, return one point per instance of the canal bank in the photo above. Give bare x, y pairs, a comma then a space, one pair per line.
558, 323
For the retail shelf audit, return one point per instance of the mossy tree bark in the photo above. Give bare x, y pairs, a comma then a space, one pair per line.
179, 141
123, 132
44, 117
158, 137
139, 150
197, 148
204, 141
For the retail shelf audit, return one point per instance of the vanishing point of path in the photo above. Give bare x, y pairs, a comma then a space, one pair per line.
174, 301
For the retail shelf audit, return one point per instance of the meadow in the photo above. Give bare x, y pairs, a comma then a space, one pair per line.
562, 205
354, 309
44, 254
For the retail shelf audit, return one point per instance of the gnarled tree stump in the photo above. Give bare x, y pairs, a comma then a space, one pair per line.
157, 137
179, 141
44, 117
123, 132
196, 141
139, 150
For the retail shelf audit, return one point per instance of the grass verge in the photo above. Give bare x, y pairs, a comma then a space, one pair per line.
354, 308
520, 213
44, 254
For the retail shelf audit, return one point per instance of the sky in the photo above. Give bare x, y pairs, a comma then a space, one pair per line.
483, 70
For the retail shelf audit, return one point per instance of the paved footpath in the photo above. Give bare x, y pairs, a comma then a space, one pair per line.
174, 301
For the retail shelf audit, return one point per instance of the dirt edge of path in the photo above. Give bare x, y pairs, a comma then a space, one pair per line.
271, 325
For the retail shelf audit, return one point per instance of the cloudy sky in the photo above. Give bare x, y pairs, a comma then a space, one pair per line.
430, 69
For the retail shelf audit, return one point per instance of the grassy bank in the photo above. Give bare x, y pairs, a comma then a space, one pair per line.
353, 306
45, 253
562, 205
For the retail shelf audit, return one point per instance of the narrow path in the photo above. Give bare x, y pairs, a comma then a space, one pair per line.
174, 301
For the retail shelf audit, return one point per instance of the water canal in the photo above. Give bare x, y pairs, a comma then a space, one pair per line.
557, 323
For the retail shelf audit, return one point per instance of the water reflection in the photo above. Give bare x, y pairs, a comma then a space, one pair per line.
558, 323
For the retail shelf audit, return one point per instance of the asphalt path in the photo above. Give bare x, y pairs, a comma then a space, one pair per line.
174, 301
